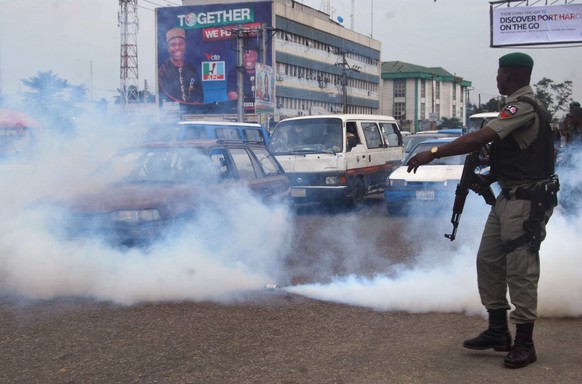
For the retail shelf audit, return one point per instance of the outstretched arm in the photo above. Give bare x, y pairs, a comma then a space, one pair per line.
468, 143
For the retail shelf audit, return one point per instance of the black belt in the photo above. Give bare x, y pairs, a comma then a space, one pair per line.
518, 194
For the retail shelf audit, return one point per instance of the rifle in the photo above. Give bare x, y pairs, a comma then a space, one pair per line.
468, 177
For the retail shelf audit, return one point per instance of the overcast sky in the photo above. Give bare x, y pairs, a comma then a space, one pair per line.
79, 40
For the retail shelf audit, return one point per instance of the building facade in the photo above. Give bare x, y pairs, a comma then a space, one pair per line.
419, 97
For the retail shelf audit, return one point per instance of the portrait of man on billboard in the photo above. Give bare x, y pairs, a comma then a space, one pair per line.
178, 80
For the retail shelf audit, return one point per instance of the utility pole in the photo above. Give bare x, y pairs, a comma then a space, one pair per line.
129, 24
345, 66
240, 80
242, 35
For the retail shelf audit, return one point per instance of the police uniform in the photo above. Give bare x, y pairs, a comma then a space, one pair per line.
524, 142
573, 124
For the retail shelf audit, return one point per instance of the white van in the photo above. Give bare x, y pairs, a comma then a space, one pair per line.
478, 120
337, 158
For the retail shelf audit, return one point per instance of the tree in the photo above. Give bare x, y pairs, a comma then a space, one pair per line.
450, 123
493, 105
556, 96
53, 99
142, 96
48, 91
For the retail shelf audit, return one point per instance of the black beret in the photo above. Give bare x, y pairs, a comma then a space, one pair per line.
516, 60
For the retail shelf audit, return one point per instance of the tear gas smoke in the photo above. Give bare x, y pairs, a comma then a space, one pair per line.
239, 244
233, 245
450, 284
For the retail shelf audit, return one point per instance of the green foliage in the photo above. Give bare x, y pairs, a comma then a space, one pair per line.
52, 99
557, 97
47, 91
493, 105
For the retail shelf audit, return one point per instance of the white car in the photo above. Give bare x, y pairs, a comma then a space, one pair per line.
432, 183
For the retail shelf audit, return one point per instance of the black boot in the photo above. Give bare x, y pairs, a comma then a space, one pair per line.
496, 336
523, 351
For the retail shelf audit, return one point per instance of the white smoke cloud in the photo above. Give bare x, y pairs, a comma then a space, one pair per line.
234, 244
238, 244
443, 278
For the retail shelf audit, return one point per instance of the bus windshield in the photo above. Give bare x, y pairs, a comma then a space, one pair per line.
307, 136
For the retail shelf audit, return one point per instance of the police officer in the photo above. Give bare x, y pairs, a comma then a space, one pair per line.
573, 124
522, 162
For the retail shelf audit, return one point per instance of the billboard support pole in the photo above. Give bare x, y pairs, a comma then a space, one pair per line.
240, 78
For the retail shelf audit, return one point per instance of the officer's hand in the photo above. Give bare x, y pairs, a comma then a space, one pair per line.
419, 159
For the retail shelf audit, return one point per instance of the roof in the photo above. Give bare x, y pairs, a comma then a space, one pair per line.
484, 114
439, 140
218, 123
204, 144
344, 116
402, 70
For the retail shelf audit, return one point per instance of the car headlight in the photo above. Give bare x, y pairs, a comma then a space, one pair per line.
396, 182
135, 215
335, 180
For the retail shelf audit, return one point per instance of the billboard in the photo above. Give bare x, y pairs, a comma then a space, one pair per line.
554, 24
264, 89
197, 56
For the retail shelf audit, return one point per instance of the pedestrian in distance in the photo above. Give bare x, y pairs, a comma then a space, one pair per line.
572, 130
522, 163
178, 80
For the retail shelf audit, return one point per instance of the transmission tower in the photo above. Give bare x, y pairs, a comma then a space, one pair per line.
129, 24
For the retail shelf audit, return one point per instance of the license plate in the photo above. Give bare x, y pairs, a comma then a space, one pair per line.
298, 192
425, 195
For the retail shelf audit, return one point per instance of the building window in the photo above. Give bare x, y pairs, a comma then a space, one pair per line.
400, 111
423, 88
400, 88
438, 90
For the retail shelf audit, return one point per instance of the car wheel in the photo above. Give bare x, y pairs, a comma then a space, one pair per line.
357, 198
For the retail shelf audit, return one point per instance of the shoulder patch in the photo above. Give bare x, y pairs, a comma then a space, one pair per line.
508, 111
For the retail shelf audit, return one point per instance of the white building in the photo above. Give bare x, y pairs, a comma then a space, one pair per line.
419, 97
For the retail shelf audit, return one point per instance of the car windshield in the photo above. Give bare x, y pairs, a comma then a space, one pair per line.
411, 141
169, 165
449, 160
307, 136
476, 124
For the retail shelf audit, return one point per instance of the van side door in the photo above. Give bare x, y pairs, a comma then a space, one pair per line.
377, 155
393, 138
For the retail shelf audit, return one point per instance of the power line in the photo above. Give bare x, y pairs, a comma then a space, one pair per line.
160, 5
147, 9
